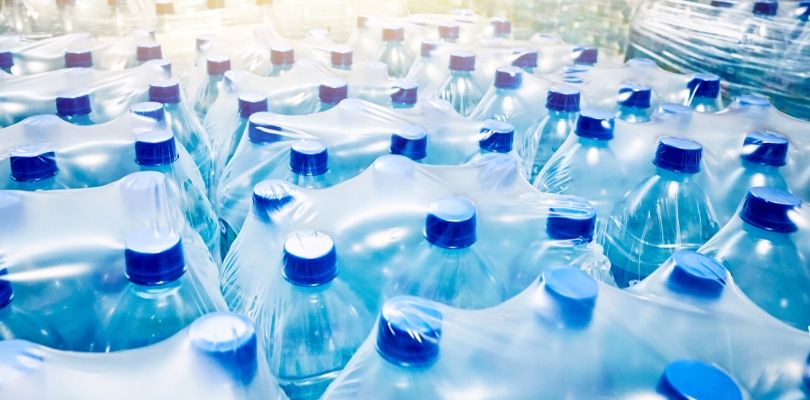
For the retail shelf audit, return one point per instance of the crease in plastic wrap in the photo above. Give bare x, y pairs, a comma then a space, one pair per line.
569, 335
96, 155
111, 92
218, 356
737, 40
354, 133
63, 254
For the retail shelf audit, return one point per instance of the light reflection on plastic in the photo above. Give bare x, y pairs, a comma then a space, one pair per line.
47, 274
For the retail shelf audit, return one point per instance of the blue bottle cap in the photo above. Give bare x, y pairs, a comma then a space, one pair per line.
310, 258
451, 223
585, 55
508, 77
721, 3
771, 209
251, 103
410, 141
691, 379
753, 100
73, 104
765, 147
527, 58
635, 95
427, 48
563, 99
501, 26
309, 157
704, 85
217, 65
78, 59
405, 92
6, 59
229, 339
165, 92
282, 55
148, 51
498, 136
154, 258
803, 11
393, 33
572, 223
149, 109
766, 8
595, 124
678, 155
696, 274
32, 163
262, 128
270, 196
156, 147
574, 293
449, 31
462, 61
6, 292
409, 332
333, 91
341, 56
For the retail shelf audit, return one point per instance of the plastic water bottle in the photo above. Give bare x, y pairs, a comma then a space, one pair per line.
157, 151
763, 154
425, 71
762, 251
405, 94
6, 61
19, 324
447, 267
147, 52
501, 27
498, 137
33, 168
586, 165
364, 40
395, 53
309, 164
411, 141
184, 124
161, 299
313, 322
78, 59
406, 347
526, 60
569, 233
635, 102
74, 108
506, 104
763, 36
331, 92
249, 104
461, 89
694, 379
585, 56
164, 10
449, 32
341, 58
704, 93
666, 212
216, 66
546, 135
282, 58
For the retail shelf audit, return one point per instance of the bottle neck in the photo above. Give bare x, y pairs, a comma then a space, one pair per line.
590, 142
461, 74
762, 234
564, 115
634, 114
672, 175
759, 168
402, 105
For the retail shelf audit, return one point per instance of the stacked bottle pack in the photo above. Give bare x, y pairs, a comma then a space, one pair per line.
431, 209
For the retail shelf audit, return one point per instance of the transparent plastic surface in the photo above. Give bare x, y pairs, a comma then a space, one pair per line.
216, 356
68, 244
